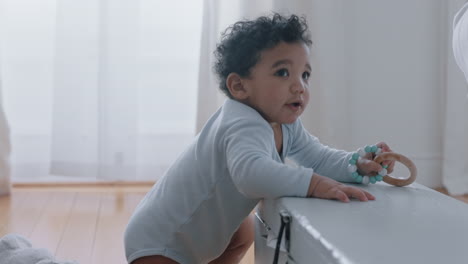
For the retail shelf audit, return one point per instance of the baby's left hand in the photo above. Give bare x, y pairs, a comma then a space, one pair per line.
367, 165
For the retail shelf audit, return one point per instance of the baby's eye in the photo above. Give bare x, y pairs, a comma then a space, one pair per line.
306, 75
282, 73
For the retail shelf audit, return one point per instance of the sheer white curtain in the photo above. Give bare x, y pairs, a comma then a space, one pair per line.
4, 144
374, 77
455, 165
4, 131
94, 124
100, 90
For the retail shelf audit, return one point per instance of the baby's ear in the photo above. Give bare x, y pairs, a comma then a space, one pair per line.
236, 87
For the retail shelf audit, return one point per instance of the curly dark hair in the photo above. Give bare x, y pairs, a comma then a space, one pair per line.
242, 43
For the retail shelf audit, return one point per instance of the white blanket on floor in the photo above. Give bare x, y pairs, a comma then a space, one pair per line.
16, 249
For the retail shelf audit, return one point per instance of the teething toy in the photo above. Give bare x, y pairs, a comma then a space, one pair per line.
402, 159
382, 175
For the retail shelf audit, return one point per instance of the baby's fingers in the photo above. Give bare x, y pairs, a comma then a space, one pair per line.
341, 196
359, 194
370, 167
384, 147
369, 196
391, 166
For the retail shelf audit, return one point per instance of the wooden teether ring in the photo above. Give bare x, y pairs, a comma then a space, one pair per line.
402, 159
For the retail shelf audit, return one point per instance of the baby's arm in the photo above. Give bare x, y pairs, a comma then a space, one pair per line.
306, 150
257, 175
326, 188
249, 147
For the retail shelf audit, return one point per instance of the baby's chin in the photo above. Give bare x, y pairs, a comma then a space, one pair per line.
284, 119
291, 120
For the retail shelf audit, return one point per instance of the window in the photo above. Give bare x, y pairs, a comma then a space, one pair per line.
38, 60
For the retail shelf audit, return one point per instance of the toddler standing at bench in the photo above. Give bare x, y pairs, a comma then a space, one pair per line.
199, 211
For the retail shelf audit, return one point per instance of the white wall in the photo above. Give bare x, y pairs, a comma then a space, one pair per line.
396, 60
380, 67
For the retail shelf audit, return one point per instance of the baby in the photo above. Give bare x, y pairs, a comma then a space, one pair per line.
199, 211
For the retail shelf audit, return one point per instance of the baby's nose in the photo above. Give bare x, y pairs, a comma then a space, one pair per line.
298, 87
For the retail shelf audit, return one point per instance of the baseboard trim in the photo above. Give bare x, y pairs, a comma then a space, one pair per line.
84, 184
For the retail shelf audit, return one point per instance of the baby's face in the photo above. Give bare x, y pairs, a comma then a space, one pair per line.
278, 87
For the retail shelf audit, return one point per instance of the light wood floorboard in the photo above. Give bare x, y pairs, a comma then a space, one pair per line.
51, 224
81, 223
462, 197
78, 239
114, 214
23, 212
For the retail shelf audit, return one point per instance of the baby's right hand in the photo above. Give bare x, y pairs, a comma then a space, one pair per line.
326, 188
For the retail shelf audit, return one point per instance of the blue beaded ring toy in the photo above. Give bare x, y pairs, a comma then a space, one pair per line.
352, 167
382, 175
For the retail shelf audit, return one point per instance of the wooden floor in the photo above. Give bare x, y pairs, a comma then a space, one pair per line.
463, 198
85, 224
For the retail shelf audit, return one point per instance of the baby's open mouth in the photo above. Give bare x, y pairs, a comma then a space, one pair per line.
295, 106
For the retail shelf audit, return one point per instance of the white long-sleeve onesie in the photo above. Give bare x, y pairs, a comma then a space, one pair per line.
191, 214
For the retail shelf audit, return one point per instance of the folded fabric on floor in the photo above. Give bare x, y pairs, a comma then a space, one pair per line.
16, 249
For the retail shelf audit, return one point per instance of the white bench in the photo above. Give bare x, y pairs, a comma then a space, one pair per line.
412, 224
